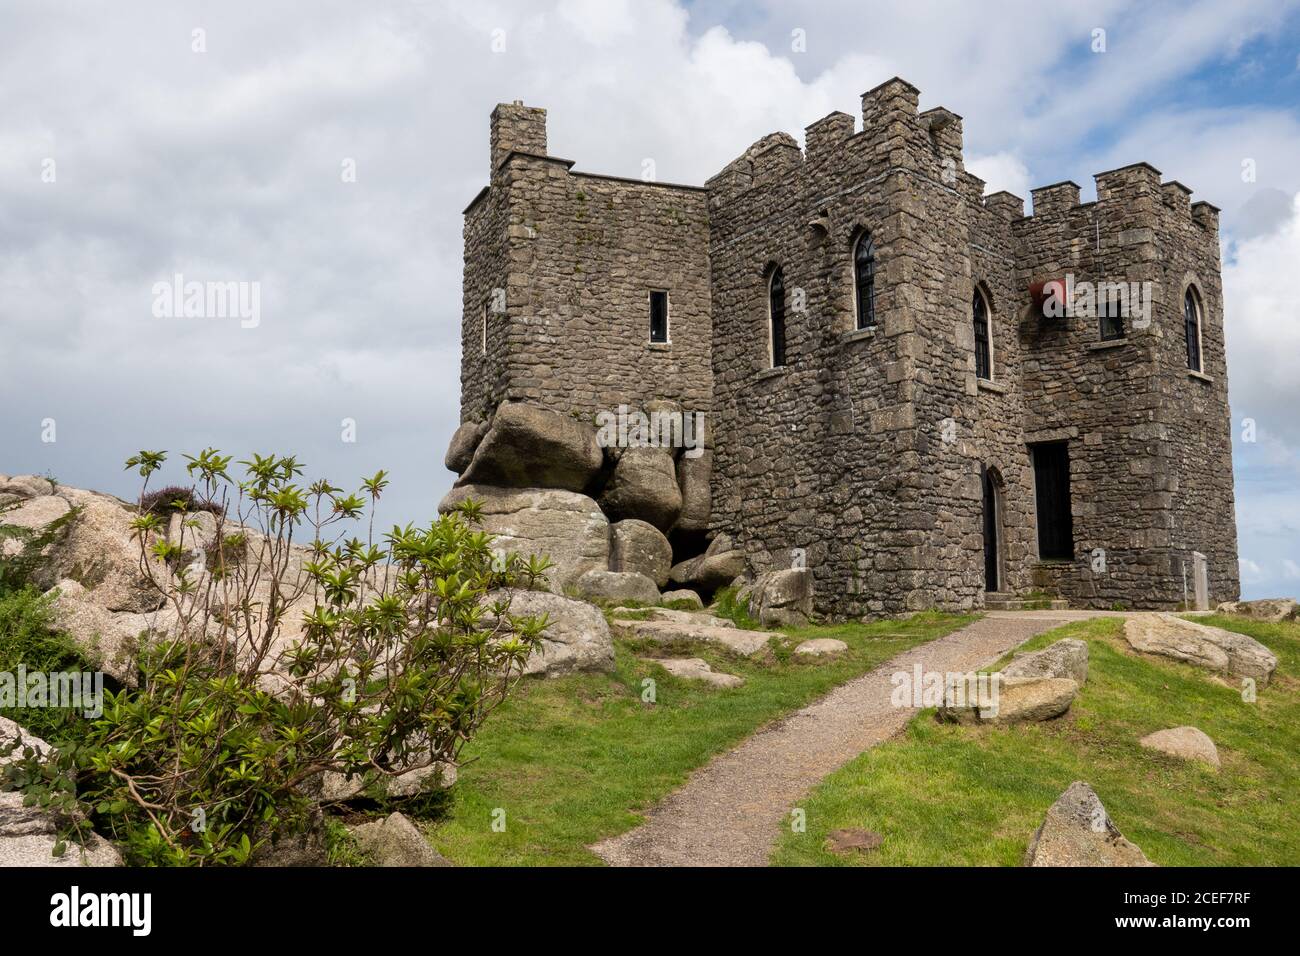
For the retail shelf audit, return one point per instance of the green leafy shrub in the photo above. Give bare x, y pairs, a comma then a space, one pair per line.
29, 640
216, 752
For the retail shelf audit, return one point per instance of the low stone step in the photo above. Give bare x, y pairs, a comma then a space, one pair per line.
1000, 601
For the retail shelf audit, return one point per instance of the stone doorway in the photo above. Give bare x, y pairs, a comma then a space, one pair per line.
991, 481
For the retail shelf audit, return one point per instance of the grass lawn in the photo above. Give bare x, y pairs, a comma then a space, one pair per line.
571, 760
949, 795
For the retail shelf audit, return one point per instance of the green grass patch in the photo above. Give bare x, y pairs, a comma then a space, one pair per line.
945, 795
572, 760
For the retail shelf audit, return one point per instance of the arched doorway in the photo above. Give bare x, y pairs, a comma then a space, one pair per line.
991, 481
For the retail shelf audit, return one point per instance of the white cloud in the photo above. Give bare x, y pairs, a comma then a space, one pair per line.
1001, 171
226, 165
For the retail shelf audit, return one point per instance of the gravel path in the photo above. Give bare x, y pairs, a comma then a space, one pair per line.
729, 811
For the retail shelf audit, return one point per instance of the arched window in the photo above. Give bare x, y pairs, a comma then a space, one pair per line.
1192, 328
983, 346
864, 281
776, 317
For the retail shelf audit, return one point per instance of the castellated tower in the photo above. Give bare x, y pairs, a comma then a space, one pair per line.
931, 398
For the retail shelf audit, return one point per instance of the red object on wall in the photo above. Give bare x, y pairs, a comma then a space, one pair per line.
1044, 290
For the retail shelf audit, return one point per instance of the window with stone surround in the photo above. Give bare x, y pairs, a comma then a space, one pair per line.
776, 317
1110, 316
983, 338
658, 315
864, 281
1192, 328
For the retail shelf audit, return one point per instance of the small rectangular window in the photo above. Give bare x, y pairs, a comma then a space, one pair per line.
1110, 312
658, 316
1052, 500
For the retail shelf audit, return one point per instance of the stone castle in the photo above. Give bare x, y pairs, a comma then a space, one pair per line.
926, 396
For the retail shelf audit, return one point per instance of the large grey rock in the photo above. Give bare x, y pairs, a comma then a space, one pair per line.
1201, 645
1016, 700
682, 594
1273, 610
111, 640
531, 447
567, 527
665, 627
1078, 831
577, 638
464, 442
100, 552
337, 788
695, 668
644, 485
821, 647
396, 841
25, 486
28, 834
694, 477
617, 586
636, 545
1065, 658
782, 598
720, 564
1186, 743
31, 514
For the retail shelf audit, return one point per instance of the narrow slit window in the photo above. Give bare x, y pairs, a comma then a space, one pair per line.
1192, 329
658, 316
483, 342
1110, 311
864, 281
983, 346
776, 317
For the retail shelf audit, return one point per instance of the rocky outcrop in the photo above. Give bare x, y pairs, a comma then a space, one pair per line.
1273, 610
567, 527
530, 447
717, 567
666, 626
682, 595
1212, 648
781, 598
577, 638
644, 485
693, 479
96, 547
636, 545
396, 841
464, 442
1078, 831
28, 835
617, 587
1065, 658
1185, 743
694, 668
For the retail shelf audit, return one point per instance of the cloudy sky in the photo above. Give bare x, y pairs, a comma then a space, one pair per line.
324, 151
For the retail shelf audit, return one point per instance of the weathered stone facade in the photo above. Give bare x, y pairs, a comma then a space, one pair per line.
868, 448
